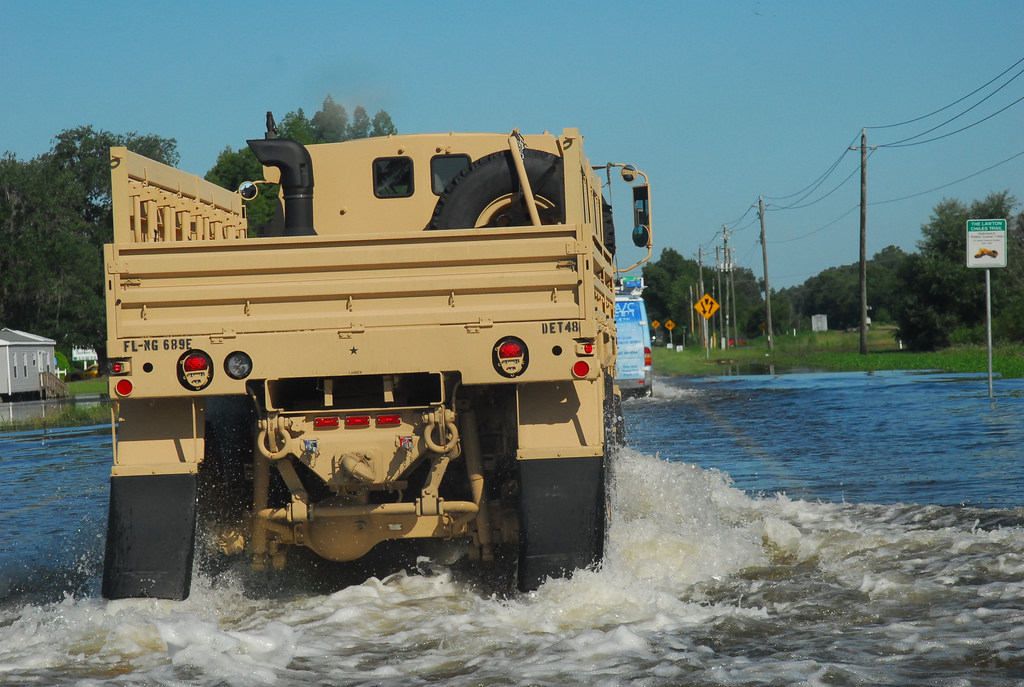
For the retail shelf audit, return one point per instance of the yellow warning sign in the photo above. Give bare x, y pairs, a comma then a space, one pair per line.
655, 324
706, 306
670, 325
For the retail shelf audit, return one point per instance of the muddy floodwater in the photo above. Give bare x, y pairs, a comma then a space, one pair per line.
819, 529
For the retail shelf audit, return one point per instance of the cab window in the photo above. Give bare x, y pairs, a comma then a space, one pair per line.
392, 177
444, 168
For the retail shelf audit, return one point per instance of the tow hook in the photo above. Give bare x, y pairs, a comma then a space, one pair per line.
283, 428
445, 418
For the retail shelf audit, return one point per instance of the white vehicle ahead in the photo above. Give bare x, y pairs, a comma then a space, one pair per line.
633, 364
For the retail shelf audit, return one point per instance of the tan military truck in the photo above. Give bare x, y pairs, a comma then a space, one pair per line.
424, 349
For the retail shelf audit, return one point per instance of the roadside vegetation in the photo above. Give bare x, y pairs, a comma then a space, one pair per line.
833, 351
934, 300
71, 414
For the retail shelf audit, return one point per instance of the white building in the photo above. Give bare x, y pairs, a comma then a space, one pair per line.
22, 357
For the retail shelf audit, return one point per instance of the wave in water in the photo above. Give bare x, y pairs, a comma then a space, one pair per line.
702, 584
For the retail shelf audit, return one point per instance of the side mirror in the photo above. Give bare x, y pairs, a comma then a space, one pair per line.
641, 214
629, 173
248, 190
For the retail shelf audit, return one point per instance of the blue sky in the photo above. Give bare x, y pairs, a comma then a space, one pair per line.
716, 102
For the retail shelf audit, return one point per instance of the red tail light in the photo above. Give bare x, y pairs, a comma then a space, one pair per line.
389, 420
123, 387
196, 363
357, 421
510, 349
326, 422
581, 368
647, 356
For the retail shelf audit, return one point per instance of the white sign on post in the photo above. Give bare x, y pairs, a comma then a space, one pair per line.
986, 243
81, 353
986, 248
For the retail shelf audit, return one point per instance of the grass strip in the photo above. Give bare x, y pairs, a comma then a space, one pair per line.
836, 352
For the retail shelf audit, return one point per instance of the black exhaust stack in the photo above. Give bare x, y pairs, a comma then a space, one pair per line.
296, 167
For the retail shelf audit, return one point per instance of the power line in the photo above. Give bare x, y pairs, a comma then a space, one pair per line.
814, 202
955, 102
740, 218
819, 228
915, 195
821, 179
900, 144
808, 190
894, 200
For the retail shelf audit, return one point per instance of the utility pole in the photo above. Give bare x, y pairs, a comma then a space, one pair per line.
863, 240
718, 274
725, 304
700, 287
767, 286
691, 310
732, 281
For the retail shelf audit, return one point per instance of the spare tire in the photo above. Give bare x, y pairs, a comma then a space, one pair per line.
487, 193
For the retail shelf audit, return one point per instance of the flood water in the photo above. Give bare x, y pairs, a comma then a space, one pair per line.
834, 529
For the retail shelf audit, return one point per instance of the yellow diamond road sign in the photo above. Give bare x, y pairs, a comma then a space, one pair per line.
670, 325
706, 306
655, 324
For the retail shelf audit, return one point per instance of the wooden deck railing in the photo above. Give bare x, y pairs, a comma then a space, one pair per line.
51, 386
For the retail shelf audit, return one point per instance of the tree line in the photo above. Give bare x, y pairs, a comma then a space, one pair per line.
932, 297
55, 216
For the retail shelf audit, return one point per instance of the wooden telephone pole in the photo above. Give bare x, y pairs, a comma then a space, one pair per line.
700, 288
726, 266
863, 240
767, 286
718, 276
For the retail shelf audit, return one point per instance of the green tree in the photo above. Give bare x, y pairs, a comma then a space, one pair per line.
662, 296
54, 218
360, 126
296, 126
943, 301
330, 123
835, 292
382, 125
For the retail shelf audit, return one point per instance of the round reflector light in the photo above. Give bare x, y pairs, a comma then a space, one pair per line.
123, 387
581, 368
238, 365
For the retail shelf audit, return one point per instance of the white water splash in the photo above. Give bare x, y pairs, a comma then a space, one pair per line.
689, 557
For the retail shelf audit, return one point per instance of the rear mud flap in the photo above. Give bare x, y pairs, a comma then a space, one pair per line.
151, 535
562, 515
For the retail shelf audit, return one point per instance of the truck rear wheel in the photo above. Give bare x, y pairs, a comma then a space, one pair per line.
486, 194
